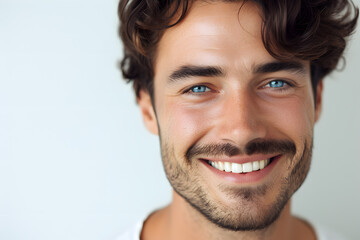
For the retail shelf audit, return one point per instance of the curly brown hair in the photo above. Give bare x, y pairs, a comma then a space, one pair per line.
311, 30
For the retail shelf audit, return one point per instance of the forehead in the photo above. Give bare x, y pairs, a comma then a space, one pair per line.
220, 33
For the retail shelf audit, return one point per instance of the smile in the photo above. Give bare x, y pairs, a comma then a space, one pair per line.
240, 168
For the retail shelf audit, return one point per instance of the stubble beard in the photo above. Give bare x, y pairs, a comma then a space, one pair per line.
248, 212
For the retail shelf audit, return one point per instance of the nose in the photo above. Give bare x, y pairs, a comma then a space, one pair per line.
241, 119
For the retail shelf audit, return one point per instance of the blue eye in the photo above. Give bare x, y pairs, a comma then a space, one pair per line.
199, 89
276, 84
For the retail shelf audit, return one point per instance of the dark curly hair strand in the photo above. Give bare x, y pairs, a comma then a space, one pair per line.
312, 30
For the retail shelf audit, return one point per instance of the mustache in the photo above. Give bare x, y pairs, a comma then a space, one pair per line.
261, 146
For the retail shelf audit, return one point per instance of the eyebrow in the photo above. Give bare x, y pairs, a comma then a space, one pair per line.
195, 71
187, 71
271, 67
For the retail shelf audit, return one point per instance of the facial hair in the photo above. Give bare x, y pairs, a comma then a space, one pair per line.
248, 212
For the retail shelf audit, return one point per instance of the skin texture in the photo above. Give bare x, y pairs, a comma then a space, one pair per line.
237, 107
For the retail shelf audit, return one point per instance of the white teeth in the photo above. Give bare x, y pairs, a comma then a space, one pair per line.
256, 165
247, 167
240, 168
221, 166
267, 162
227, 166
236, 168
262, 164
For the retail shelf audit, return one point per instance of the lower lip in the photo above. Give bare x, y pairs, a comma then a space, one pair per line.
249, 177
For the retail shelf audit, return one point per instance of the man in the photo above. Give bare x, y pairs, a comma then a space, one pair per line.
233, 89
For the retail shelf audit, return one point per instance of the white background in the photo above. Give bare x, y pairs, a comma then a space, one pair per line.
75, 159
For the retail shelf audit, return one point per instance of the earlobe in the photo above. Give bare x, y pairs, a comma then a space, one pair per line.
318, 100
147, 111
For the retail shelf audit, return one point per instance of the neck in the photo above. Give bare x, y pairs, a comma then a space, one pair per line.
180, 220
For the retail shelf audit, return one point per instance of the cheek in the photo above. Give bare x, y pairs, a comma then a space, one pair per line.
186, 123
295, 118
183, 124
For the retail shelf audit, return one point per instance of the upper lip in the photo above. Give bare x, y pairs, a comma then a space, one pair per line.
240, 158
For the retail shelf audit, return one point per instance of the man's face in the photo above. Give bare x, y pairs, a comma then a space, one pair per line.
221, 99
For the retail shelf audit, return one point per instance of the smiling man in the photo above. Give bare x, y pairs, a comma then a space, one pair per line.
233, 89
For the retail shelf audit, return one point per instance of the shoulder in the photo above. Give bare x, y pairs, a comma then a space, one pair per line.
132, 233
321, 232
324, 233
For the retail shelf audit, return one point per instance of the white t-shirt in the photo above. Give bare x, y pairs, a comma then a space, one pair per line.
321, 232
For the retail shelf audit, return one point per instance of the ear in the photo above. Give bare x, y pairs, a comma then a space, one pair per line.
147, 111
318, 100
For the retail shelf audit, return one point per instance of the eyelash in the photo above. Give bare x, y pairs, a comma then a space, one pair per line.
190, 90
286, 85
